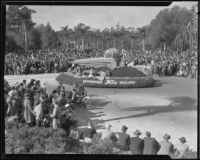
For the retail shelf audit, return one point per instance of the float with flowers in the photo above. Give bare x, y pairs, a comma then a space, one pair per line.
109, 71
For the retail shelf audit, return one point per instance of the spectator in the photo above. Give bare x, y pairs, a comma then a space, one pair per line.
88, 133
124, 139
137, 144
38, 111
108, 134
166, 147
150, 145
28, 108
182, 148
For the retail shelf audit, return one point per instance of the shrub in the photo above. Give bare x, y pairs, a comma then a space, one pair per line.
98, 146
188, 155
23, 139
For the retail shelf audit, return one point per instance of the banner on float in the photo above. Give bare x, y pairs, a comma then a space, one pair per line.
109, 82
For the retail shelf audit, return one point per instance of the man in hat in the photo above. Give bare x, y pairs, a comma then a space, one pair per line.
108, 134
150, 145
137, 144
182, 148
124, 139
166, 147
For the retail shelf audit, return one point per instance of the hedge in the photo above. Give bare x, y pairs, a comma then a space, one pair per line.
111, 82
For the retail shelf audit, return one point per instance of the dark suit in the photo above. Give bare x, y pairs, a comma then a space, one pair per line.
136, 146
124, 141
150, 146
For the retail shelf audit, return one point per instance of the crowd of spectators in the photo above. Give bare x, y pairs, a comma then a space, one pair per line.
31, 104
166, 63
44, 61
163, 63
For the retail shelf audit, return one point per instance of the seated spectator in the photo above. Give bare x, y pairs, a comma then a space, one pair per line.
137, 144
182, 148
151, 146
166, 147
87, 133
108, 134
123, 139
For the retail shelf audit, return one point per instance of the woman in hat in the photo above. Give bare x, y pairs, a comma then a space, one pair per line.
28, 108
182, 148
166, 147
124, 139
137, 144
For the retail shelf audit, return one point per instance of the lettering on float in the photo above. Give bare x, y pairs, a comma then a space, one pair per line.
108, 82
127, 82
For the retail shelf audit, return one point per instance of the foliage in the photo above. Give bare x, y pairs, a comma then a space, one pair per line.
126, 72
21, 139
167, 24
98, 146
188, 155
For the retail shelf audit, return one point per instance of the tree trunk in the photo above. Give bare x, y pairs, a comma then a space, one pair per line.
25, 37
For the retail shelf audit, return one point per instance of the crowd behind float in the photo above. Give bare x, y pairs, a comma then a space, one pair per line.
31, 104
163, 63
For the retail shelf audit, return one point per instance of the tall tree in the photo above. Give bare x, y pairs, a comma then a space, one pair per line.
19, 17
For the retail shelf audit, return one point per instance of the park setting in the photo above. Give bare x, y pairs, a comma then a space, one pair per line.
123, 89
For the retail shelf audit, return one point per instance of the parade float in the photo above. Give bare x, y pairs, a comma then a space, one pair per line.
109, 71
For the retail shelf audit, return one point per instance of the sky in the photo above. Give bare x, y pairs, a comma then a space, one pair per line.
99, 17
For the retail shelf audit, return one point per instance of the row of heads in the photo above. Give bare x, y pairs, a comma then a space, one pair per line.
148, 134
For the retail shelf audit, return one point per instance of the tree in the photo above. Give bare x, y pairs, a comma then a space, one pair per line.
167, 24
81, 31
19, 17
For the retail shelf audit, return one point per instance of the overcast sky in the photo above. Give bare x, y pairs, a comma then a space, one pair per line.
98, 17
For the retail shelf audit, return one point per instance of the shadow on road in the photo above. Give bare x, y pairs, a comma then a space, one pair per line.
158, 83
178, 104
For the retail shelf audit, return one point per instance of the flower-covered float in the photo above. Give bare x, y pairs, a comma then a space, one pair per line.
109, 71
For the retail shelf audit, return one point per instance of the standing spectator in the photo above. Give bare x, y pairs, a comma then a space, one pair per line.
124, 139
137, 144
38, 111
28, 108
182, 148
166, 147
55, 115
150, 145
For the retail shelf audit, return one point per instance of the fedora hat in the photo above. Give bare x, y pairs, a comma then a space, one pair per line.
137, 133
148, 134
166, 136
182, 139
124, 128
